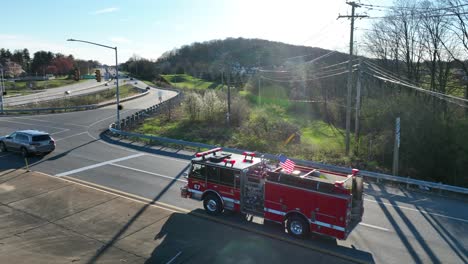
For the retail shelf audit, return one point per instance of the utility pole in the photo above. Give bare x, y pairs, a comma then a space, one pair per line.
350, 73
358, 103
2, 91
228, 115
222, 79
259, 89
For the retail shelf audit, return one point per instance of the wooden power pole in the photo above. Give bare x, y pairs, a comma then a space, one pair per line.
350, 73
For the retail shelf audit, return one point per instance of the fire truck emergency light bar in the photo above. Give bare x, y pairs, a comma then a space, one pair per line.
231, 161
203, 154
250, 154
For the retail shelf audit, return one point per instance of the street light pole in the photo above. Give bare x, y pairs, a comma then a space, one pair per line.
2, 84
117, 123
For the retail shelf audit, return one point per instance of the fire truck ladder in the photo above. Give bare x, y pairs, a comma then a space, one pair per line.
252, 196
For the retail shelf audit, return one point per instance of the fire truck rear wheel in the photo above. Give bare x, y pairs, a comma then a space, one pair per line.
212, 204
297, 226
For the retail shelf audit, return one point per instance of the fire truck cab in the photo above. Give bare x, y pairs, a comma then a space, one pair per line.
305, 200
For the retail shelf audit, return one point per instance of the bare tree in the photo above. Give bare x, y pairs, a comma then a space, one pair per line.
396, 40
458, 27
435, 32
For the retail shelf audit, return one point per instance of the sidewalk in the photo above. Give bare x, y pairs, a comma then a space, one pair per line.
44, 219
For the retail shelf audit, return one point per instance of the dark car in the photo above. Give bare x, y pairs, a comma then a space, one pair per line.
28, 142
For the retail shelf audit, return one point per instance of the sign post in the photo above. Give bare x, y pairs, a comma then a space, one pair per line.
396, 147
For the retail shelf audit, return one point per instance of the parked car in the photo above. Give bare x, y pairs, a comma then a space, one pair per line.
28, 142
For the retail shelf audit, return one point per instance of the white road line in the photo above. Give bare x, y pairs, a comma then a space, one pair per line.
172, 259
420, 211
44, 121
376, 227
5, 155
147, 172
65, 130
29, 124
71, 136
98, 165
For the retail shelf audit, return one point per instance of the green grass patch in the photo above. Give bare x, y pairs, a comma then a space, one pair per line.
322, 135
189, 82
95, 98
29, 87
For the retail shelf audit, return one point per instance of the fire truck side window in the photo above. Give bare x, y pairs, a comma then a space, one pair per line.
198, 171
212, 174
227, 177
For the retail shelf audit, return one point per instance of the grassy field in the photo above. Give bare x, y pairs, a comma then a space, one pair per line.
23, 88
316, 135
316, 139
189, 82
103, 96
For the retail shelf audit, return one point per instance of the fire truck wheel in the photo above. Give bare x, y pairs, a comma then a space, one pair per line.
297, 226
212, 204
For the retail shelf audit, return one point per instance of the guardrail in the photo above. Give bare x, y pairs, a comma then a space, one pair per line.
369, 175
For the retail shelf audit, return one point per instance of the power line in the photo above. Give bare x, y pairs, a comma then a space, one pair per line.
446, 97
384, 71
392, 79
303, 80
321, 57
413, 8
419, 16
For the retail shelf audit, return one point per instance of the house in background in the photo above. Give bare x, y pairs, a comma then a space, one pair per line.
12, 69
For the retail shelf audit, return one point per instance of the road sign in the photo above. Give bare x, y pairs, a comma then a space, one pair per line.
397, 131
160, 95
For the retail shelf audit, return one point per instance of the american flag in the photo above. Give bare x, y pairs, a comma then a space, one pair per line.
286, 164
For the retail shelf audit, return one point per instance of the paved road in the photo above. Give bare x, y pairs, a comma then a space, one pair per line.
85, 87
46, 219
398, 226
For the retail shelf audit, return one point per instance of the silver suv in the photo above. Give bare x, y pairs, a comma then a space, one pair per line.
28, 142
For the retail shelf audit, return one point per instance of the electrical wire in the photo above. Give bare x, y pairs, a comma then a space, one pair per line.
303, 80
321, 57
413, 8
385, 72
446, 97
419, 16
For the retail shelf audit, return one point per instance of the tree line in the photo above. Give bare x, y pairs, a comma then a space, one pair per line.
424, 42
44, 62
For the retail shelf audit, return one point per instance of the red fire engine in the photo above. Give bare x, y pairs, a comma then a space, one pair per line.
305, 200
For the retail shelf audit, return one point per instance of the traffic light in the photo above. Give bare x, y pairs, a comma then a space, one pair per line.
76, 75
98, 75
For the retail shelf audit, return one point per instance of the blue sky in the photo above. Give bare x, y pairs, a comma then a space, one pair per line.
148, 28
